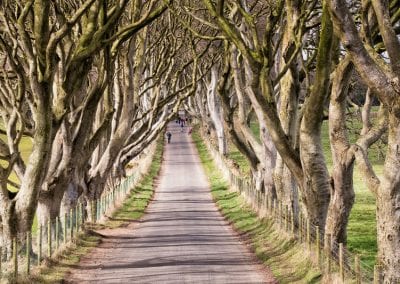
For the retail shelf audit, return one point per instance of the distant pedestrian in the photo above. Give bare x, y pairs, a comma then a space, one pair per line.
181, 127
190, 130
169, 135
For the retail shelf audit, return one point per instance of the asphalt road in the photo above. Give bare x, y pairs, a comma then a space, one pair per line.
181, 239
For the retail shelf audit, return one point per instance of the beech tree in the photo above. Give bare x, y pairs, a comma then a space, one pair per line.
50, 48
92, 83
303, 61
382, 77
260, 80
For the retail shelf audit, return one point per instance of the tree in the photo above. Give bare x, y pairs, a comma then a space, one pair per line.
382, 77
51, 48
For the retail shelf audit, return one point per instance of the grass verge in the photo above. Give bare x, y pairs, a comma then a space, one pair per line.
274, 249
133, 208
361, 230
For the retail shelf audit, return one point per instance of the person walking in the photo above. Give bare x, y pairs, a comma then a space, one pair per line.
169, 135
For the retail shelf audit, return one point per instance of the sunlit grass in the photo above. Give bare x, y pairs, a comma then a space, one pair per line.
277, 251
362, 237
25, 148
132, 209
361, 230
235, 155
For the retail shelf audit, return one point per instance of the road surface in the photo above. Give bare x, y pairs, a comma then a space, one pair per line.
181, 239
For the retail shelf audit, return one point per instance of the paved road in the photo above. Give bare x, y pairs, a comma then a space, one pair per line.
182, 238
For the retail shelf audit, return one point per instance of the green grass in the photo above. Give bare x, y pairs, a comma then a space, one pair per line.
361, 232
132, 209
362, 238
25, 148
54, 270
276, 250
235, 155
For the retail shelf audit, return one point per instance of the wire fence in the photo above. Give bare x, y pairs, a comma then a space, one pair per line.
332, 258
49, 240
31, 251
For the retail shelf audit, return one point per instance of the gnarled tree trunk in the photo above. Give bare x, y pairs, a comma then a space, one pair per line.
388, 205
215, 109
288, 104
316, 193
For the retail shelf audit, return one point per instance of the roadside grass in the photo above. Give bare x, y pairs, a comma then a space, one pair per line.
54, 270
362, 237
135, 205
133, 208
275, 249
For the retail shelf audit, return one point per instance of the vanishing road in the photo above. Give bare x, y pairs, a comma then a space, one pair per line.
181, 239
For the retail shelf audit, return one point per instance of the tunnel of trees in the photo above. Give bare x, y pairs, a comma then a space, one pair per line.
86, 85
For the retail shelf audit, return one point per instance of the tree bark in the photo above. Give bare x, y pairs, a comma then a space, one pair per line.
383, 80
388, 206
343, 156
288, 104
316, 193
215, 109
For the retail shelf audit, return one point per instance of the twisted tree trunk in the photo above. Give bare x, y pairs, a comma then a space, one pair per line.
214, 106
388, 205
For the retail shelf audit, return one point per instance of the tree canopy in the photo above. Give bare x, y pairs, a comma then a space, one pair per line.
92, 83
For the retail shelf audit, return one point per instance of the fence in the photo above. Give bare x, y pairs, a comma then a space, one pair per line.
332, 258
50, 239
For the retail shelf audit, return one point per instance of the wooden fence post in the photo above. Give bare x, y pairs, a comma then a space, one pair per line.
40, 244
57, 232
79, 214
308, 234
97, 209
100, 202
105, 203
327, 245
106, 197
83, 215
301, 227
377, 274
28, 253
357, 269
1, 262
49, 238
287, 218
292, 222
318, 243
93, 211
341, 261
71, 225
65, 228
76, 219
15, 258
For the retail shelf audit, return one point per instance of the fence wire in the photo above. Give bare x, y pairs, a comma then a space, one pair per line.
332, 256
49, 240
